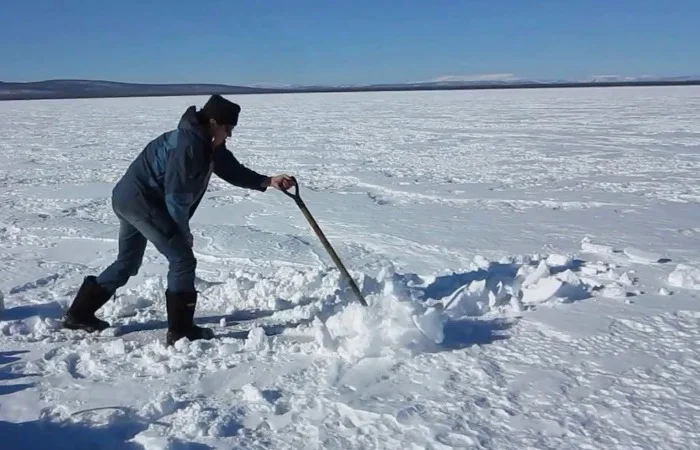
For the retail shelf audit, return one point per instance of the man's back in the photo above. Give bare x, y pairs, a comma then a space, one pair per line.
146, 174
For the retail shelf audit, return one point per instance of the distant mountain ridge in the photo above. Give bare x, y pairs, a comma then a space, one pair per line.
56, 89
99, 88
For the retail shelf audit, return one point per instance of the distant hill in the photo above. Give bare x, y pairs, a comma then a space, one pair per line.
55, 89
97, 88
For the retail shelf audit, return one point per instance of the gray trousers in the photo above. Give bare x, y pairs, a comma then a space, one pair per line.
140, 222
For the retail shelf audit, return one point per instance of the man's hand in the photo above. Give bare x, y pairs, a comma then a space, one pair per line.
281, 182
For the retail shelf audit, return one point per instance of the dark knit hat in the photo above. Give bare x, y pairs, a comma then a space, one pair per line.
223, 111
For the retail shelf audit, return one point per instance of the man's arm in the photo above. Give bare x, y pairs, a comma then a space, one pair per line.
179, 195
229, 169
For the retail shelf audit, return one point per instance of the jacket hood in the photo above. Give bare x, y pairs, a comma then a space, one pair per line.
189, 122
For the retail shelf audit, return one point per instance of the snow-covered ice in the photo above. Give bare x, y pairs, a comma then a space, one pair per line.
544, 241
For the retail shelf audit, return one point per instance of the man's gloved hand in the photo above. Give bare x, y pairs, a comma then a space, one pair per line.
281, 182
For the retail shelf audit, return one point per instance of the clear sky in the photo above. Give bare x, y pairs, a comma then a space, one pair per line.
338, 41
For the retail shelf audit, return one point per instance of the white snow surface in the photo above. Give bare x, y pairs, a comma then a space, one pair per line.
546, 242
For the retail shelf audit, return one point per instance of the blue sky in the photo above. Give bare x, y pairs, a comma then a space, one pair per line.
335, 41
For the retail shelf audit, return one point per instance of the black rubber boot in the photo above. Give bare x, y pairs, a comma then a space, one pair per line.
180, 307
81, 314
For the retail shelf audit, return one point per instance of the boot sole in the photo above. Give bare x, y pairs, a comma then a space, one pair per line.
69, 324
172, 338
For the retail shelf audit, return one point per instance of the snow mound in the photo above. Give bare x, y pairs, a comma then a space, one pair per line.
642, 256
405, 312
613, 290
535, 276
332, 317
565, 286
32, 329
282, 289
506, 287
432, 324
542, 285
150, 440
592, 247
125, 306
557, 260
388, 323
257, 341
685, 276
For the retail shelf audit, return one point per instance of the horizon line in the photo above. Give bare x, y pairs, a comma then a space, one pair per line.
479, 78
84, 89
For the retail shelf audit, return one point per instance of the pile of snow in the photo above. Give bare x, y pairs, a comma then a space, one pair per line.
540, 285
613, 290
591, 247
665, 292
534, 282
388, 323
317, 303
336, 321
398, 317
642, 256
257, 340
635, 255
284, 288
685, 276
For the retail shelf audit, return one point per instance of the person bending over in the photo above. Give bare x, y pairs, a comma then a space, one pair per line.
155, 200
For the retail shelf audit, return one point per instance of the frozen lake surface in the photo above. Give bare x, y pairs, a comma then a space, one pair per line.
559, 230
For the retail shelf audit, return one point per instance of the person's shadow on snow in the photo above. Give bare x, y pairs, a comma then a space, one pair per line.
43, 433
466, 332
6, 373
50, 310
40, 434
231, 320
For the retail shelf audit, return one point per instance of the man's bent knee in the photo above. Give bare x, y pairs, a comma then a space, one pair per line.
185, 263
133, 267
